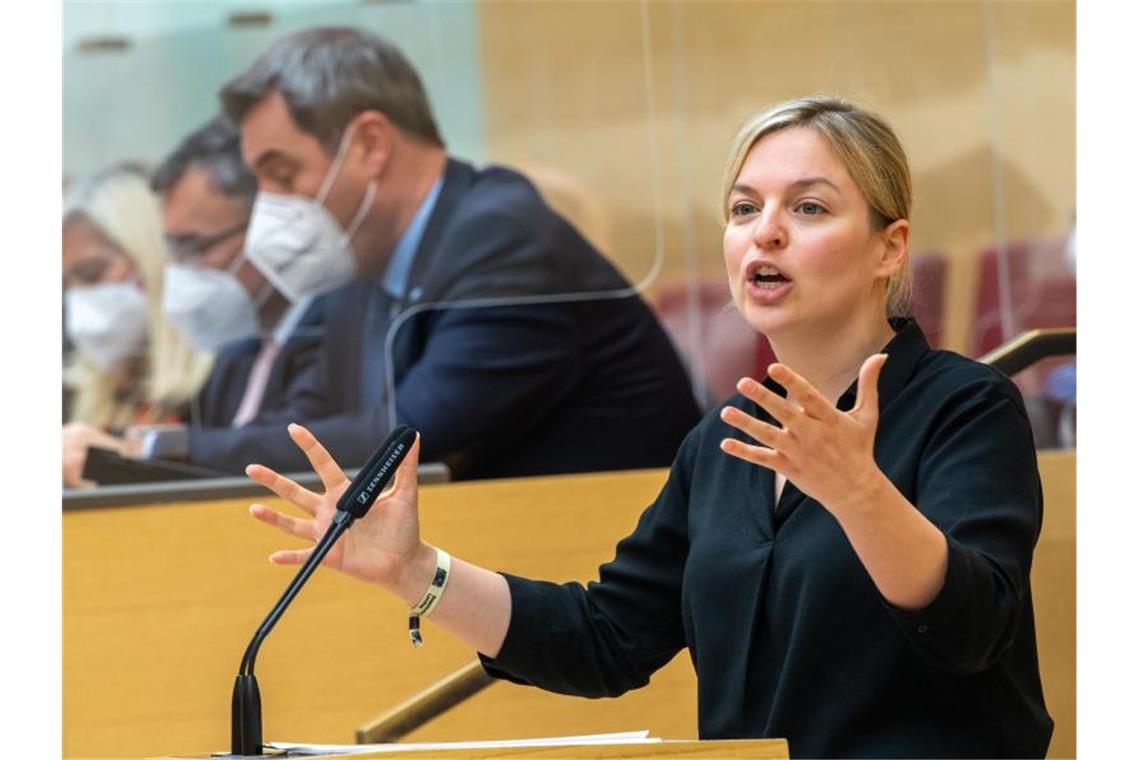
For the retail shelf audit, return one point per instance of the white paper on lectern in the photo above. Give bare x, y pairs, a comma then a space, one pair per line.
624, 737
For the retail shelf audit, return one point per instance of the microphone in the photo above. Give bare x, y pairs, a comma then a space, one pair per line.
354, 503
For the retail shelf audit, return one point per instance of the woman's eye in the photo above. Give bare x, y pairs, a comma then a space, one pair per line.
90, 272
743, 208
811, 208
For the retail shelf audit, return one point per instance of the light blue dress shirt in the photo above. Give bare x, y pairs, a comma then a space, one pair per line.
394, 285
400, 265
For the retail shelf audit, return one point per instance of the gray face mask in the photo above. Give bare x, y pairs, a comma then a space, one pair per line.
209, 306
107, 322
298, 245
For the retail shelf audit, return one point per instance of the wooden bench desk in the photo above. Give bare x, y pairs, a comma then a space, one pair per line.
159, 603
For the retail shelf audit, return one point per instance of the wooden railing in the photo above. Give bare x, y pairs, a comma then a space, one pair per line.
1031, 347
418, 709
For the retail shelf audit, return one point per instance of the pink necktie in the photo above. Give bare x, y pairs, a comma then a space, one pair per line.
255, 386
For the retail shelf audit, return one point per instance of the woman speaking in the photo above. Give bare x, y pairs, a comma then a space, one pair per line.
844, 548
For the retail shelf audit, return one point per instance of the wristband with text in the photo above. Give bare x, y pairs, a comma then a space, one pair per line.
431, 597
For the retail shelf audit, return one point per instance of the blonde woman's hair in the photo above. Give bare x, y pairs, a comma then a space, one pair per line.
119, 202
868, 149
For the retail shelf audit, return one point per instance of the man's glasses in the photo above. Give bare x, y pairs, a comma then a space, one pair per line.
187, 248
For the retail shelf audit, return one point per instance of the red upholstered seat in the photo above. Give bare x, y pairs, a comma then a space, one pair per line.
710, 334
1043, 292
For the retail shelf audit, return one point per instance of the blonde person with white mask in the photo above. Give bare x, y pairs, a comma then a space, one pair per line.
844, 547
130, 366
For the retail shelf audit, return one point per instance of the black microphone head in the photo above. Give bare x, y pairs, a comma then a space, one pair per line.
375, 475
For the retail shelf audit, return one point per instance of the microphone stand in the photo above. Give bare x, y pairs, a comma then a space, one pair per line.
245, 709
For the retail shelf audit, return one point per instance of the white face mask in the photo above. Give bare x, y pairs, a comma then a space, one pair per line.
107, 322
298, 245
210, 307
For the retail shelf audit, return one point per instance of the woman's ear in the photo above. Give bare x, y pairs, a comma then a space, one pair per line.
896, 242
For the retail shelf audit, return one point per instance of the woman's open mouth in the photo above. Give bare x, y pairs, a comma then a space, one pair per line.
766, 283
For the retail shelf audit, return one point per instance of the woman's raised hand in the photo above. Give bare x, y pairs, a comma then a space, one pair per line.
828, 454
378, 546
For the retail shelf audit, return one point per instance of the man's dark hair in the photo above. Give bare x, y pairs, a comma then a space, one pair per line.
328, 75
215, 148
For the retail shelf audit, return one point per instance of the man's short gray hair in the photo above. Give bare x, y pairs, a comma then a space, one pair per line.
328, 75
215, 148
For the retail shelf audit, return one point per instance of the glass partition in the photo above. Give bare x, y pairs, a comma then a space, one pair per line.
981, 94
504, 92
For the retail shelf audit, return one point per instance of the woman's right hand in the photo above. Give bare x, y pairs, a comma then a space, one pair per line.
380, 547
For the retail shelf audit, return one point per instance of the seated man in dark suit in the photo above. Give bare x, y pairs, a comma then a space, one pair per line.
219, 301
214, 296
459, 302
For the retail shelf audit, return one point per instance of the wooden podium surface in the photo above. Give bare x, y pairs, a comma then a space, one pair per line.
757, 749
159, 603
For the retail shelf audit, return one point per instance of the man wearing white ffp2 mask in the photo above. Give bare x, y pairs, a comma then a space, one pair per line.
298, 244
452, 319
212, 294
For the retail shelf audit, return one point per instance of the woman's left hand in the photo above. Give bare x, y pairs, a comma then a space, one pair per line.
77, 438
828, 454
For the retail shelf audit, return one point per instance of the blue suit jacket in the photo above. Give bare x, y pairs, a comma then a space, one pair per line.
512, 388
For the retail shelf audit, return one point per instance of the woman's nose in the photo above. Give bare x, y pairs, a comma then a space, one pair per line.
770, 231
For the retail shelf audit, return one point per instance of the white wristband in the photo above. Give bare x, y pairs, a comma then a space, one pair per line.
431, 597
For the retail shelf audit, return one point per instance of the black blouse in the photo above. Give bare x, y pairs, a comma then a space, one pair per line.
788, 634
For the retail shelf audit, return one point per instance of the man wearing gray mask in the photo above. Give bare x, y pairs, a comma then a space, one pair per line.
446, 286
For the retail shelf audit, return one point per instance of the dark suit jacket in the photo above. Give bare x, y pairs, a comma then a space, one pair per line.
537, 384
219, 399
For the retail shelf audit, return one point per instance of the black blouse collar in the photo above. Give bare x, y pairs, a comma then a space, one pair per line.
903, 352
